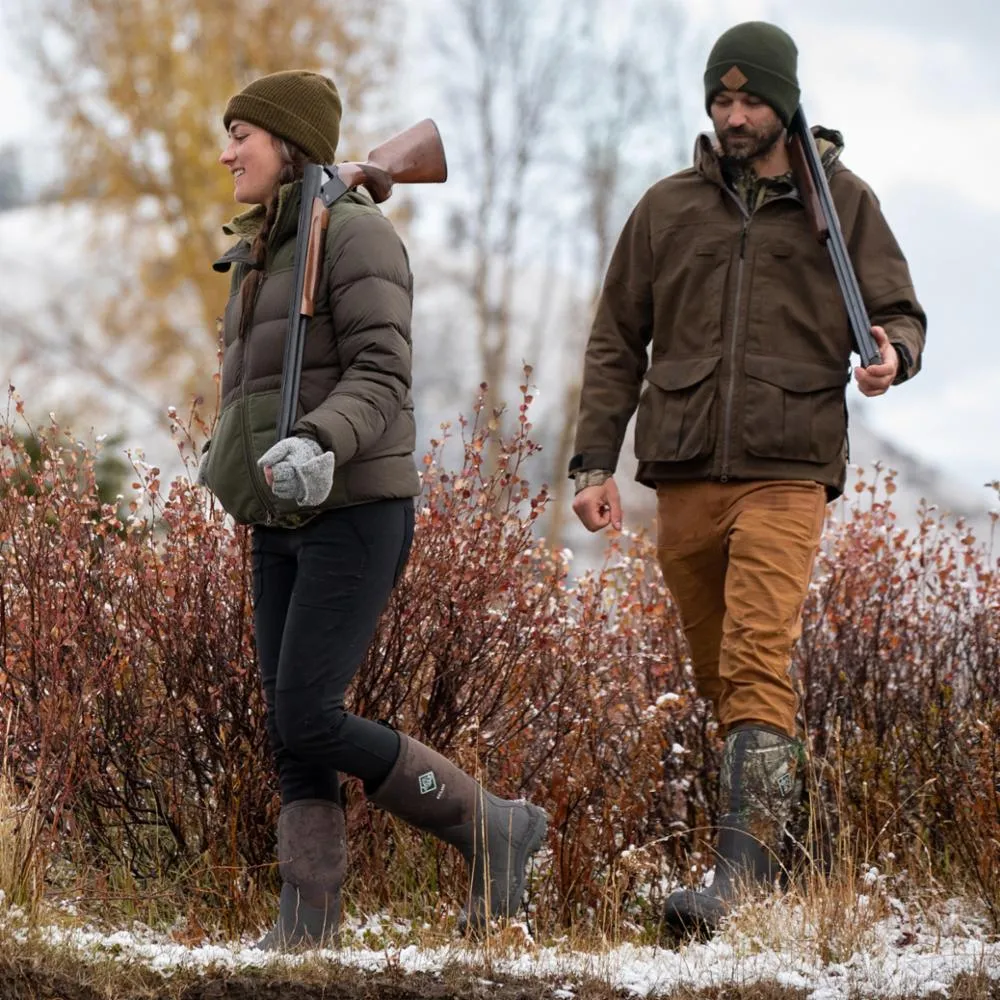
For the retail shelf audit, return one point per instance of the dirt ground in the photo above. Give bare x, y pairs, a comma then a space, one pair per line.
20, 980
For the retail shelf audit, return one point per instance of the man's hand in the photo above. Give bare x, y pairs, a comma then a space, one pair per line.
599, 506
875, 379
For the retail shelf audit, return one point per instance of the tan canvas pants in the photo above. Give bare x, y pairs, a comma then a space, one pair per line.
737, 558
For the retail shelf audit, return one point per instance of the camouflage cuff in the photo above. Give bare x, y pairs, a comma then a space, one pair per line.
590, 477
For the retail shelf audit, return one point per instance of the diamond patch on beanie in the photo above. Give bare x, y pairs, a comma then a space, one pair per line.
734, 78
428, 783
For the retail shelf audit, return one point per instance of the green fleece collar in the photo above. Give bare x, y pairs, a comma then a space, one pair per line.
247, 224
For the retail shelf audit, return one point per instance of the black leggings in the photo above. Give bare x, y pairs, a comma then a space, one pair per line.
318, 593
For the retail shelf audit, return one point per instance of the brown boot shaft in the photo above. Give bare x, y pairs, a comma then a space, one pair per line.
497, 837
312, 859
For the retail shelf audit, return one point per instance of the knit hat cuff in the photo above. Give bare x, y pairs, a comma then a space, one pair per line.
717, 69
281, 122
775, 89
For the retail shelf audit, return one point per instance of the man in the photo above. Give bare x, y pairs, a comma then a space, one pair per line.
719, 297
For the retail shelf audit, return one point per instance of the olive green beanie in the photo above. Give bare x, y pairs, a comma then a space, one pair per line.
296, 105
758, 58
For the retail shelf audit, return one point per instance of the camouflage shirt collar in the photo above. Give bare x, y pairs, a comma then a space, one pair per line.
754, 191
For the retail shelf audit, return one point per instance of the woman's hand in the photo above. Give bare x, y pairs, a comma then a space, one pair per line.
297, 468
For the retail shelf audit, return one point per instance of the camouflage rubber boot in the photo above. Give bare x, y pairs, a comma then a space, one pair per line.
312, 859
497, 837
760, 785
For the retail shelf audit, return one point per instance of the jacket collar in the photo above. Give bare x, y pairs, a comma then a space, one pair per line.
247, 225
708, 154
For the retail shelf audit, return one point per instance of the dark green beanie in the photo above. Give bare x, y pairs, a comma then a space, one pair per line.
760, 59
296, 105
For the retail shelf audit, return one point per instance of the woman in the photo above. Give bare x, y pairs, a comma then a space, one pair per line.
332, 513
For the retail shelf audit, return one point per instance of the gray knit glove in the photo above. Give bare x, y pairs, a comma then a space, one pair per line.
300, 470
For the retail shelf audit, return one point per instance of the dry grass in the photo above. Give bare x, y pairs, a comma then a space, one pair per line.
821, 920
21, 867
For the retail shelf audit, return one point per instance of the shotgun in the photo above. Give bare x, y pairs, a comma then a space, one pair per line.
815, 191
414, 156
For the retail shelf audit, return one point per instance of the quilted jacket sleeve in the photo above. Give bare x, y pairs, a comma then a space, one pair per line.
371, 299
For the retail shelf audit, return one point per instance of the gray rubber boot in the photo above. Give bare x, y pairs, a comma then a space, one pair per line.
760, 784
312, 859
497, 837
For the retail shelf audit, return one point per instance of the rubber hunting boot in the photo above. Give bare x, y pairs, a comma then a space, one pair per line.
497, 837
760, 784
312, 859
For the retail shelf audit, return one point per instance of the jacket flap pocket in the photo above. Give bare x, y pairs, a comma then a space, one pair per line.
680, 373
795, 376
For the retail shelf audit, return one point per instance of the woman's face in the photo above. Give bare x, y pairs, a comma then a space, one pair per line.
252, 157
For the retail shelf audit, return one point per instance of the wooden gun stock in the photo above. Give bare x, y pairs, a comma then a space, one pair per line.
414, 156
319, 219
807, 189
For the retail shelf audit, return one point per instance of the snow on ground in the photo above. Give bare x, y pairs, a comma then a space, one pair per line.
899, 961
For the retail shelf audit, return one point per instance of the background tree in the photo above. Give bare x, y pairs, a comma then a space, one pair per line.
511, 62
559, 117
135, 95
11, 177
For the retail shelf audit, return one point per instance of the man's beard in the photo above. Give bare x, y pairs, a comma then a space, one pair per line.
744, 144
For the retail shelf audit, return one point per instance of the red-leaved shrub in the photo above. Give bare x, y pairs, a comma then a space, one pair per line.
129, 685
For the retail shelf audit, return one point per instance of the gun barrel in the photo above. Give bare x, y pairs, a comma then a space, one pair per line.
301, 298
857, 314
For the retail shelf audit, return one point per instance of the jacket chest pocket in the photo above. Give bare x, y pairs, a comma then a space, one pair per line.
794, 409
678, 407
689, 293
795, 297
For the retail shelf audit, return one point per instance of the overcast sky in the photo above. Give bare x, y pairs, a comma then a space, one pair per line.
912, 84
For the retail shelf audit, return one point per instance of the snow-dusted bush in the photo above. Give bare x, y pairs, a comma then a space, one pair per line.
133, 711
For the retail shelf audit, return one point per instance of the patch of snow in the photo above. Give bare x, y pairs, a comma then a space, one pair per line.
929, 962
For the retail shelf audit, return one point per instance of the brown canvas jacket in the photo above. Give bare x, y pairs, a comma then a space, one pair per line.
726, 328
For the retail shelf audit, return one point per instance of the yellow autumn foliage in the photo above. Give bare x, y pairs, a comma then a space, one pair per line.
136, 91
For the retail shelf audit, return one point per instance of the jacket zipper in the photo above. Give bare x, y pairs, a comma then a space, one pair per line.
727, 426
269, 511
727, 422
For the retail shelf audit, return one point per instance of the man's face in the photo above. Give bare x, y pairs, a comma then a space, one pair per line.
747, 127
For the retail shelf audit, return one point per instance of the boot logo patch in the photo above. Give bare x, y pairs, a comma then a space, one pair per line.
428, 783
785, 782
